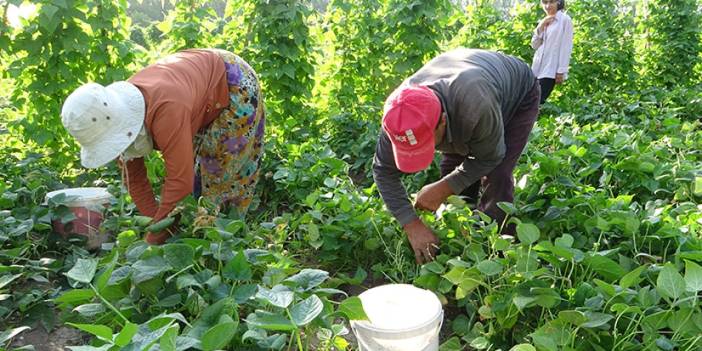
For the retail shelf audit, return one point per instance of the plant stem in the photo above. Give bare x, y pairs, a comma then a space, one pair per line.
113, 308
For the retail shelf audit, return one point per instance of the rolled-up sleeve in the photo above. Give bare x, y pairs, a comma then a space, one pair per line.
388, 179
537, 39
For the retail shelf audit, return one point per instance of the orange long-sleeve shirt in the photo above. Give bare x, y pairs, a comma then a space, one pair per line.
184, 93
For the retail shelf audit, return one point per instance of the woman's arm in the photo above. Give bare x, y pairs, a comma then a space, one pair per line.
566, 48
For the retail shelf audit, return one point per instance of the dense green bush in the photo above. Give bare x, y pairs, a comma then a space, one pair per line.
670, 41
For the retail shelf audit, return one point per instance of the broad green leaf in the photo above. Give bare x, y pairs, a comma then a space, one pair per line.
90, 309
269, 321
72, 297
149, 268
480, 343
168, 341
187, 280
83, 271
279, 296
698, 186
523, 347
306, 311
309, 278
632, 278
596, 319
126, 334
528, 233
352, 308
605, 267
452, 344
523, 302
564, 241
8, 334
693, 276
434, 267
670, 283
489, 267
178, 256
119, 275
103, 332
219, 336
238, 269
573, 317
5, 280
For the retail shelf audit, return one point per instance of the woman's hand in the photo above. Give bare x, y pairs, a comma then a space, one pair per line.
545, 22
560, 78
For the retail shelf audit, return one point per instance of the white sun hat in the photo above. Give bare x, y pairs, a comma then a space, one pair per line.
104, 120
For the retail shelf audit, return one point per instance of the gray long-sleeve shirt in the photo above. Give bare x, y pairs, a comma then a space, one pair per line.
479, 92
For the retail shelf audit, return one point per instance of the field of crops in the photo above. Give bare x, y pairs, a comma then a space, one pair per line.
608, 200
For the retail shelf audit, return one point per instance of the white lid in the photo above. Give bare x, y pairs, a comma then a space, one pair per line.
83, 197
399, 306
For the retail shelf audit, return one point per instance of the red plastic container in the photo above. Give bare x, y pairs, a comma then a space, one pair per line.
87, 204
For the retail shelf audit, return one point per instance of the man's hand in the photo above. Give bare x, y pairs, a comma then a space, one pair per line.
559, 78
545, 23
423, 241
433, 195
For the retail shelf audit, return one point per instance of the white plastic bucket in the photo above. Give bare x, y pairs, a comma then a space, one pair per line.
87, 204
401, 317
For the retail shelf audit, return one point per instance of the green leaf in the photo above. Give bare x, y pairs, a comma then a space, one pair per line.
75, 296
279, 296
576, 318
90, 309
5, 280
596, 319
352, 308
9, 334
693, 276
168, 341
238, 268
698, 186
434, 267
489, 267
178, 256
309, 278
523, 347
632, 278
452, 344
670, 283
564, 241
126, 334
219, 336
269, 321
528, 233
480, 343
83, 271
149, 268
103, 332
306, 311
606, 267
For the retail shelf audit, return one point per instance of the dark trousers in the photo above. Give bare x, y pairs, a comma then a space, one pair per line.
498, 185
547, 85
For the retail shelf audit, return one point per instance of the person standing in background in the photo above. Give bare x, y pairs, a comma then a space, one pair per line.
553, 42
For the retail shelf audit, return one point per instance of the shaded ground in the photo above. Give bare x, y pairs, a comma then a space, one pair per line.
57, 340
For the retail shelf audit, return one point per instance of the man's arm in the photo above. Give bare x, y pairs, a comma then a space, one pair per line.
387, 178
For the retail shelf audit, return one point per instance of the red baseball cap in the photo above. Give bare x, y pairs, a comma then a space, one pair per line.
410, 117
